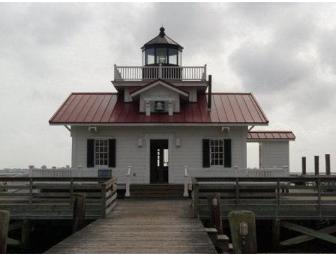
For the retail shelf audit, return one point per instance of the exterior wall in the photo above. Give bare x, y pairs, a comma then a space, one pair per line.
188, 153
160, 93
274, 154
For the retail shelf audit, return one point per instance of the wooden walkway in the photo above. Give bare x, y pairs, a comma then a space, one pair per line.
142, 226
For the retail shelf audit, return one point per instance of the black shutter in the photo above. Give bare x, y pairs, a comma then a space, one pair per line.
206, 154
227, 153
112, 153
90, 153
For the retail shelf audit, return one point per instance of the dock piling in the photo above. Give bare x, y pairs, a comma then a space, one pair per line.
215, 213
243, 231
25, 234
304, 166
317, 165
327, 164
4, 225
79, 205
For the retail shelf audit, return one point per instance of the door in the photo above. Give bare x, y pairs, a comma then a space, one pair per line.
159, 161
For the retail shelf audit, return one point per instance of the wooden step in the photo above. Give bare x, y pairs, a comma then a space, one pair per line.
156, 191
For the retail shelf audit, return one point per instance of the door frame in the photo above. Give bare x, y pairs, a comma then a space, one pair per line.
159, 136
155, 145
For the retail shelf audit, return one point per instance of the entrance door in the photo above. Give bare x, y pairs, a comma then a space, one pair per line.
158, 161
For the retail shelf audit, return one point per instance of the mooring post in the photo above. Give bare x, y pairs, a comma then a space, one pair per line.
25, 234
243, 231
304, 166
4, 225
275, 234
79, 205
215, 213
327, 164
316, 165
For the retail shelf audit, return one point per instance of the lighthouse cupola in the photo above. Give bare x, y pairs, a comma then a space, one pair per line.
162, 50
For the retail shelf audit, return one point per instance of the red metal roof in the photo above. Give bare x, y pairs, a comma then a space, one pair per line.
107, 108
270, 135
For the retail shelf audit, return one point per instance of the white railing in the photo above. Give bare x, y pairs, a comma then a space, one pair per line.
138, 73
31, 171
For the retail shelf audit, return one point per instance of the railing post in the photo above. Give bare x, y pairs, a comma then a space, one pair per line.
128, 180
4, 225
78, 211
186, 182
327, 164
160, 71
195, 198
204, 73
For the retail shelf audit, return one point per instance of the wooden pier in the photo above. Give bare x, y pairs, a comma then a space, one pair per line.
286, 198
142, 226
51, 198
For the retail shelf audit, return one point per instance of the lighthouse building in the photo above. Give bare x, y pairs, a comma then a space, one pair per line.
165, 121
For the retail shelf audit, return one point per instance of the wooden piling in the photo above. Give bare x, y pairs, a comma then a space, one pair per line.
79, 205
4, 225
25, 235
304, 166
243, 231
327, 164
317, 165
215, 213
275, 235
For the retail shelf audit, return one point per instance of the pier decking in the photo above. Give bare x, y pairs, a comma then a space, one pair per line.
142, 226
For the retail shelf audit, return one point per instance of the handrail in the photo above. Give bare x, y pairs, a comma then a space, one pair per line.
270, 197
138, 73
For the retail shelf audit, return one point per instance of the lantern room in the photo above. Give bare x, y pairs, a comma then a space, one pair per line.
162, 50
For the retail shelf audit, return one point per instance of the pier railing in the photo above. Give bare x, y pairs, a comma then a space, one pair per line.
138, 73
52, 198
299, 197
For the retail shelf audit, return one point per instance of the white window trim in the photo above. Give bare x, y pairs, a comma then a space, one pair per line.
95, 153
223, 153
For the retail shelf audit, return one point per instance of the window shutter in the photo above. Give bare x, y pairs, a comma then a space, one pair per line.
90, 153
112, 153
206, 154
227, 153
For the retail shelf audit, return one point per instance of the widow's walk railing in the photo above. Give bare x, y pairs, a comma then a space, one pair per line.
139, 73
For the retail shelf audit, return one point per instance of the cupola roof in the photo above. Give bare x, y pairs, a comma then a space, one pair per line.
163, 40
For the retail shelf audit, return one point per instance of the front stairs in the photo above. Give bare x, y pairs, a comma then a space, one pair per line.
163, 191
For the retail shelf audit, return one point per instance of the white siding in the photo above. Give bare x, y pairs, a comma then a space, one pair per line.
189, 153
274, 154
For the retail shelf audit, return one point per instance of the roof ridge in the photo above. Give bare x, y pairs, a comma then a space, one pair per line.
271, 131
231, 93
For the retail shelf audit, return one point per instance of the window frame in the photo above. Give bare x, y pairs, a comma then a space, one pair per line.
219, 158
106, 140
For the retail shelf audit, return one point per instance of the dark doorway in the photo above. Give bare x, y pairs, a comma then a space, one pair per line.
159, 161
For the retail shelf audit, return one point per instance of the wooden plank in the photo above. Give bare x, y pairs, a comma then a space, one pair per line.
310, 232
132, 227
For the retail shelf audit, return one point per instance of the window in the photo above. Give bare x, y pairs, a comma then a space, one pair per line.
150, 56
216, 152
101, 152
173, 56
161, 56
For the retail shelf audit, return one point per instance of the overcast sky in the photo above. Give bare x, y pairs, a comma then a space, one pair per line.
284, 53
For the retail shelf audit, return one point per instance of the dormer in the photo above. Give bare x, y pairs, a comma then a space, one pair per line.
159, 97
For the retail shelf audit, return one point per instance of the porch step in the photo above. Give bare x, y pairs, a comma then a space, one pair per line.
156, 191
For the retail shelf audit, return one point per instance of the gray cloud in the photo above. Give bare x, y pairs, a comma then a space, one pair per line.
283, 52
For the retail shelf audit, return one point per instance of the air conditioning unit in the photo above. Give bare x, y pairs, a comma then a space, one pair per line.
159, 106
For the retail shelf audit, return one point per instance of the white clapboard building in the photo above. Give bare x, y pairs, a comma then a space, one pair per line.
165, 122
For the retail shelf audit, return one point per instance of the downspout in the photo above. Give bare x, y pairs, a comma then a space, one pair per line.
209, 92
